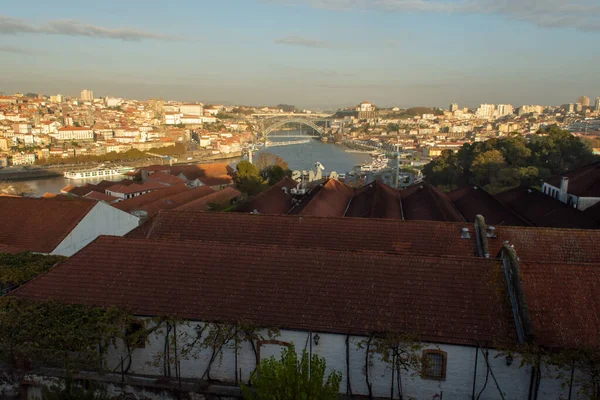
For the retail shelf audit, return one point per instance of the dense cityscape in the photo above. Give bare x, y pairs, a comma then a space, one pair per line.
300, 200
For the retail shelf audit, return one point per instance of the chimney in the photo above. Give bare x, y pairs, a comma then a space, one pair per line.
564, 185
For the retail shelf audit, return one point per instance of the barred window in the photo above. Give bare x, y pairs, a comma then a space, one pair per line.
434, 364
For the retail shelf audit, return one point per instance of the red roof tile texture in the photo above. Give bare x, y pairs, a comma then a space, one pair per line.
331, 200
543, 210
136, 202
583, 182
472, 201
446, 300
274, 200
375, 200
426, 203
564, 303
176, 200
221, 197
422, 237
40, 225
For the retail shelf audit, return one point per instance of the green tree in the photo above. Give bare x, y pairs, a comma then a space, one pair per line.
293, 379
274, 173
444, 170
487, 165
248, 179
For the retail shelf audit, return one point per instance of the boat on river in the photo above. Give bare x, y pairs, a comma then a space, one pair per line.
378, 164
99, 172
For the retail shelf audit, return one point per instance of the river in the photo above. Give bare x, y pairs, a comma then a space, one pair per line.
334, 157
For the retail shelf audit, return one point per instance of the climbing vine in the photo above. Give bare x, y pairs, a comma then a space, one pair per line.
400, 351
16, 269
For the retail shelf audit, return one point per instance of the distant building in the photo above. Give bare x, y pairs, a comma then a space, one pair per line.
113, 102
584, 101
486, 111
86, 95
453, 107
192, 109
505, 109
598, 104
23, 159
56, 98
366, 110
75, 133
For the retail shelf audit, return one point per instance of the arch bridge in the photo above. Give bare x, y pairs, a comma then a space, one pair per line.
272, 125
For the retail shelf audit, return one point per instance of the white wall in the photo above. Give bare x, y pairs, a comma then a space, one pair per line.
101, 220
513, 380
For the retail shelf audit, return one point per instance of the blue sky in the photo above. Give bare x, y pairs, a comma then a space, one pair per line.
319, 53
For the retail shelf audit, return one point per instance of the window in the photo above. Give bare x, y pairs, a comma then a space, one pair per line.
434, 365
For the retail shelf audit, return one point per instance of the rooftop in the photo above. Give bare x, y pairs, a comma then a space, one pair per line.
186, 279
583, 182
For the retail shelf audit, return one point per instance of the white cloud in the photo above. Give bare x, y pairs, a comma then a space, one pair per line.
14, 26
578, 14
303, 42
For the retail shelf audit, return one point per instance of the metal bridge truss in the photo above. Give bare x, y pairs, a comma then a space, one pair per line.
280, 123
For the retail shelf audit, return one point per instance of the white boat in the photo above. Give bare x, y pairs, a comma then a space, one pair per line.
99, 172
379, 163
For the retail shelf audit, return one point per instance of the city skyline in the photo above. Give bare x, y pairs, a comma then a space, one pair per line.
320, 53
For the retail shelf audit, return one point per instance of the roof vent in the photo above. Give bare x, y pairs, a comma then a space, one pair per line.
529, 191
491, 232
254, 211
465, 234
285, 190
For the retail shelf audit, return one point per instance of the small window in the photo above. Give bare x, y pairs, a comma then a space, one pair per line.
434, 365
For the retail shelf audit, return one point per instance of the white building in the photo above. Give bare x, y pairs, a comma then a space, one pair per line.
75, 133
579, 188
86, 95
486, 111
192, 109
113, 102
56, 98
23, 159
453, 107
598, 104
504, 109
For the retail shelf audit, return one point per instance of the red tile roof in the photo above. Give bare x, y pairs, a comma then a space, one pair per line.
583, 182
330, 199
6, 249
472, 201
100, 196
176, 200
168, 179
203, 204
274, 200
40, 225
445, 300
421, 237
425, 202
375, 200
543, 210
136, 188
137, 202
564, 303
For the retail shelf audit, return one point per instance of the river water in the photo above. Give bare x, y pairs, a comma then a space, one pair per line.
333, 157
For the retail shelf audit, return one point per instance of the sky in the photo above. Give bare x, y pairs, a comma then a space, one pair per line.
309, 53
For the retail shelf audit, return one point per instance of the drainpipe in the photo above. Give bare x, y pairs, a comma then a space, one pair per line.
483, 247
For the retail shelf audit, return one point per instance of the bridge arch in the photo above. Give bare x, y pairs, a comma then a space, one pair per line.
280, 123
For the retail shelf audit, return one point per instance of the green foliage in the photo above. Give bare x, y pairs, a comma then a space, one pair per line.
274, 174
393, 127
132, 154
54, 334
16, 269
293, 379
500, 164
248, 179
286, 108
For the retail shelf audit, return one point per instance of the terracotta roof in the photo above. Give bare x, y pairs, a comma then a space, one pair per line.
583, 182
375, 200
40, 225
74, 128
168, 179
549, 244
6, 249
543, 210
564, 303
441, 299
274, 200
422, 237
176, 200
472, 200
100, 196
135, 203
135, 188
330, 199
203, 204
425, 202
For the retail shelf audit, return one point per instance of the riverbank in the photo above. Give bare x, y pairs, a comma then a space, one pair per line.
28, 174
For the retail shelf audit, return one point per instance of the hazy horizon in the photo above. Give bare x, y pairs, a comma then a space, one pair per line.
309, 53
